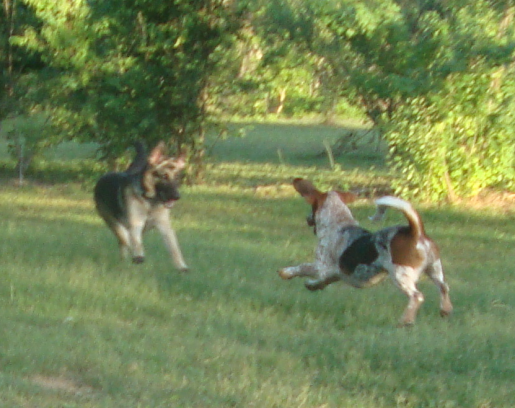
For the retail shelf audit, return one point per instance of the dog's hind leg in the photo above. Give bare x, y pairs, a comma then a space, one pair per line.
122, 234
405, 278
435, 272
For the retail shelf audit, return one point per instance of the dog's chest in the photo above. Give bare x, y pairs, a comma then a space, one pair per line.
143, 210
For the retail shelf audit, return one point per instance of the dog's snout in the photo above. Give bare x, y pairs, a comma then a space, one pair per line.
167, 192
175, 195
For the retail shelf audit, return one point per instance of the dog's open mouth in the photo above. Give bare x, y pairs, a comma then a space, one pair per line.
170, 203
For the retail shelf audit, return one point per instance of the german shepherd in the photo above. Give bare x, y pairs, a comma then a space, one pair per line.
140, 198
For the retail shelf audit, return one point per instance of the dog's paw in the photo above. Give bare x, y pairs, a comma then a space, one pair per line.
314, 285
405, 325
283, 274
138, 260
183, 268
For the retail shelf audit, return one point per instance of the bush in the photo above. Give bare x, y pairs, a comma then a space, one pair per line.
454, 143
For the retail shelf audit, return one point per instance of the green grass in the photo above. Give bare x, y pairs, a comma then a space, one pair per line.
294, 144
81, 329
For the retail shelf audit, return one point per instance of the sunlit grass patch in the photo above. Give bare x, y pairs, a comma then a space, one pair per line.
275, 180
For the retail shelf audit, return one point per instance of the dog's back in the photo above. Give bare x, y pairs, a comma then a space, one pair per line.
110, 190
109, 195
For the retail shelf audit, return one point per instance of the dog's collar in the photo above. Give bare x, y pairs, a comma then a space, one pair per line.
137, 185
350, 227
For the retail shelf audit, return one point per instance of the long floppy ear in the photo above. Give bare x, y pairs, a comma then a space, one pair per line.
307, 190
347, 197
156, 155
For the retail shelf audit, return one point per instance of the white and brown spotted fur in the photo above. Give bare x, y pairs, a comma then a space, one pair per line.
140, 198
361, 258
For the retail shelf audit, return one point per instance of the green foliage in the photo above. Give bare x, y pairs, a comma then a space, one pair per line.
27, 137
437, 78
457, 139
121, 71
272, 71
113, 72
453, 148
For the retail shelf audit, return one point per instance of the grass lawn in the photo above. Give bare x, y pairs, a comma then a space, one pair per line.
79, 328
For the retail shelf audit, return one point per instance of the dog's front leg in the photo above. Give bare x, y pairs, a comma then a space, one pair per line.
322, 276
136, 241
319, 284
302, 270
170, 238
137, 219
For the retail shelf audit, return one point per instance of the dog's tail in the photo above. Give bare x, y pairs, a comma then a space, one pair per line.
140, 160
413, 217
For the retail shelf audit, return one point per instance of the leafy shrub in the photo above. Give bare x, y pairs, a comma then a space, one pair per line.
456, 142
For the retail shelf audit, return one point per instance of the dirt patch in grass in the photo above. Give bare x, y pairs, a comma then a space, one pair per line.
498, 201
62, 384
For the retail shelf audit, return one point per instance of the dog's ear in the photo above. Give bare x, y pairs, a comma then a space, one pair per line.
347, 197
174, 164
156, 155
180, 162
307, 190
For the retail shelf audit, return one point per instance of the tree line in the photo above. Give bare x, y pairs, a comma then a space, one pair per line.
435, 77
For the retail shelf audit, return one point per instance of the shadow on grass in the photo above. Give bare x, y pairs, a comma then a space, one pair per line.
53, 172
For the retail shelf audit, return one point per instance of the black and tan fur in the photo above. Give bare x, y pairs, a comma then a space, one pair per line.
140, 198
362, 258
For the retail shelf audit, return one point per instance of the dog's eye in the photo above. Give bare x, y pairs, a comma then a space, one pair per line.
165, 176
